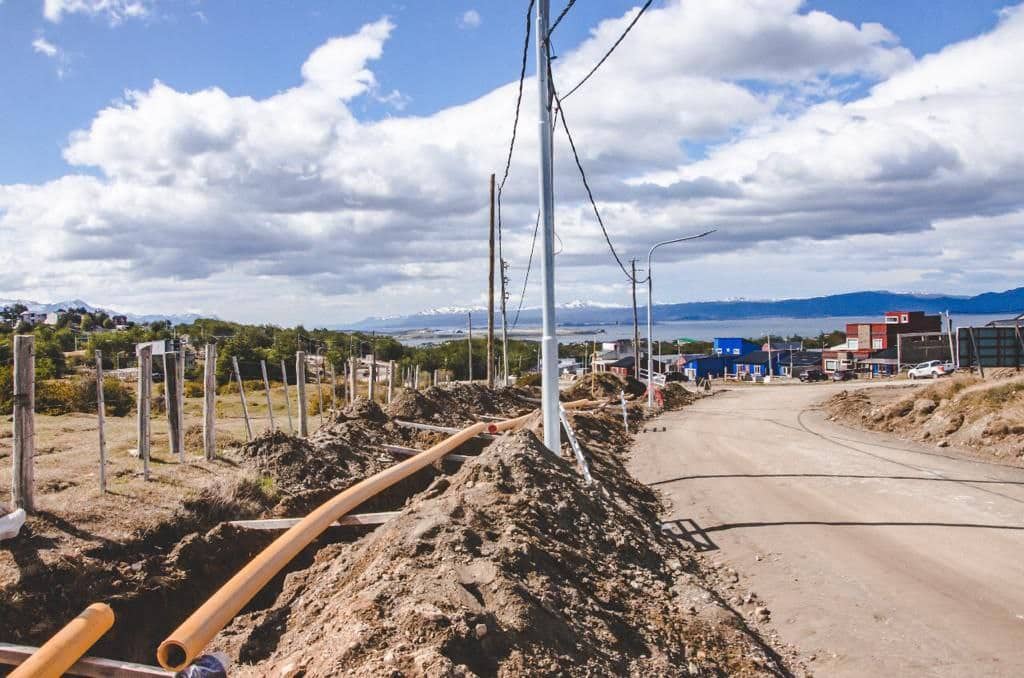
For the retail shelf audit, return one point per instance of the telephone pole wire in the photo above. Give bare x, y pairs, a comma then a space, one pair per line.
549, 339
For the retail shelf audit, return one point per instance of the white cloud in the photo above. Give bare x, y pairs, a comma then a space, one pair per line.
51, 51
45, 47
292, 208
115, 11
470, 19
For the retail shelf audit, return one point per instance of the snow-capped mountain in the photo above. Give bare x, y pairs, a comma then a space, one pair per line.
41, 307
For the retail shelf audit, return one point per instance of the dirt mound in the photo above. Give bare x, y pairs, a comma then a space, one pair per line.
367, 410
985, 416
676, 396
596, 385
511, 567
456, 404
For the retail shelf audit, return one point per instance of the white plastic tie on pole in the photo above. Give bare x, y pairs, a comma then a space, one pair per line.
11, 523
625, 417
584, 469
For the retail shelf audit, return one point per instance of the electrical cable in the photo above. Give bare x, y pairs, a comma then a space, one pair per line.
526, 278
611, 49
560, 17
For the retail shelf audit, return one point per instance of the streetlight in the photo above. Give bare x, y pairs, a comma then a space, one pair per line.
650, 310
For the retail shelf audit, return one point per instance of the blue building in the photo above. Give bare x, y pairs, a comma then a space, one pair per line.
701, 366
734, 346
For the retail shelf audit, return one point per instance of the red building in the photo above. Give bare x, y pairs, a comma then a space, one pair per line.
864, 339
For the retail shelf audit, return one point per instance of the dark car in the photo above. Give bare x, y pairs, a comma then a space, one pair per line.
813, 375
676, 376
843, 375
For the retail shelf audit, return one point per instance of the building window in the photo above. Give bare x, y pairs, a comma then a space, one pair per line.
853, 344
891, 320
876, 343
904, 318
830, 365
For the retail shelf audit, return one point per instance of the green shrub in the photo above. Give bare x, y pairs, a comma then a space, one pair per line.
193, 389
79, 395
232, 386
6, 389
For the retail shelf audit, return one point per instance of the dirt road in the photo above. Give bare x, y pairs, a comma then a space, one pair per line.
876, 556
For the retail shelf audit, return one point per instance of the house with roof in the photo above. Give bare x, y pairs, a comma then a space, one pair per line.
701, 365
734, 346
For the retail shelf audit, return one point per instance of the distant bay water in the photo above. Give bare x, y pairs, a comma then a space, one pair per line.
704, 330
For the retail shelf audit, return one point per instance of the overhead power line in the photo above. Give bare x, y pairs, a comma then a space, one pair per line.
586, 184
515, 119
611, 49
529, 264
561, 16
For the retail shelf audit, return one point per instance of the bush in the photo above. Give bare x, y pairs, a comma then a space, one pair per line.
79, 395
530, 379
193, 389
6, 389
250, 386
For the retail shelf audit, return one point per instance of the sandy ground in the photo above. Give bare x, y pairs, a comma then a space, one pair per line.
878, 556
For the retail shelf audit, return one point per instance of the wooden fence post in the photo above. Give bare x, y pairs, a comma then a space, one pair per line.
371, 378
287, 399
210, 402
352, 376
320, 393
23, 476
334, 388
391, 380
171, 399
416, 378
300, 385
145, 393
101, 416
266, 387
181, 402
241, 394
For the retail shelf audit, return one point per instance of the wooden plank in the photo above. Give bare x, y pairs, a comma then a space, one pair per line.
23, 455
287, 400
210, 402
300, 385
241, 394
90, 667
266, 389
286, 523
410, 451
101, 420
433, 427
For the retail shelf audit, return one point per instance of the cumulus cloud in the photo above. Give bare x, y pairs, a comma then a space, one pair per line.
695, 121
115, 11
470, 19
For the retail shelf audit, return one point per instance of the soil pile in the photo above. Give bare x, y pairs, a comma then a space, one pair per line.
456, 404
511, 567
676, 396
603, 385
985, 416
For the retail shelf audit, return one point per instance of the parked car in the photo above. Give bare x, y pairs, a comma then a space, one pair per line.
931, 369
813, 375
843, 375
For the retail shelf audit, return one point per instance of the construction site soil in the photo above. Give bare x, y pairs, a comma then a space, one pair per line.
508, 564
979, 418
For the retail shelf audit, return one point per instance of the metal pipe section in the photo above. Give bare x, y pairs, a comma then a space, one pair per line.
68, 645
549, 339
189, 639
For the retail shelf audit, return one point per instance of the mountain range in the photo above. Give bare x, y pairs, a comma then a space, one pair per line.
38, 307
866, 304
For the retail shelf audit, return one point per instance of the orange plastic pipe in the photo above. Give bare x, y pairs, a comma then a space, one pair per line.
68, 645
189, 639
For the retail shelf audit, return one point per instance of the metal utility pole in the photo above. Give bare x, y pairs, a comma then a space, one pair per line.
636, 326
549, 340
650, 309
469, 345
490, 297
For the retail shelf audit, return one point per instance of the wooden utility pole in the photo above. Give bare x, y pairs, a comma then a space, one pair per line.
300, 386
210, 402
173, 404
23, 471
636, 326
469, 347
266, 389
145, 392
490, 298
241, 394
101, 416
287, 398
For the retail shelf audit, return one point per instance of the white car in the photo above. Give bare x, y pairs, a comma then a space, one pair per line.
930, 370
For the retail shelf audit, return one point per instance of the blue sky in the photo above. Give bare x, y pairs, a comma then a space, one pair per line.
254, 48
331, 154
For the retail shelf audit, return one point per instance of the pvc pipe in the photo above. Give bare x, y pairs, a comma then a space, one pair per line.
61, 651
187, 641
11, 523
